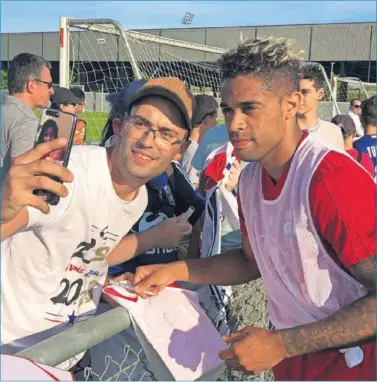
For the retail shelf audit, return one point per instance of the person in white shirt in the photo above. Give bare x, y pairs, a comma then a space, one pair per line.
354, 112
55, 258
312, 90
205, 120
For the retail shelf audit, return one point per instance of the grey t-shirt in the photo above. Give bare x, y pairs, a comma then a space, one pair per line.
18, 128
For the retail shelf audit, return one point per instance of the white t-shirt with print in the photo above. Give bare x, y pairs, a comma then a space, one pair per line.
54, 270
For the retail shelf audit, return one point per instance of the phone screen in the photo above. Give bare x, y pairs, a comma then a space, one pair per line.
56, 124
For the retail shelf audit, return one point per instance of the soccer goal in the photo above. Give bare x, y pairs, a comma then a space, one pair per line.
102, 56
346, 89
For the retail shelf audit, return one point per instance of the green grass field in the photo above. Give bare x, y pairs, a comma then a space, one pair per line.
95, 121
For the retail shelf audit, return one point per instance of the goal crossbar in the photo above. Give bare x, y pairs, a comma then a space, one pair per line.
106, 27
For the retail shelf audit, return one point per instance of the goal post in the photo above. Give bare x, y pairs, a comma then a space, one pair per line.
102, 56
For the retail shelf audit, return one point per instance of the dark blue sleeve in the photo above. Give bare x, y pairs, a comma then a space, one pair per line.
359, 145
186, 195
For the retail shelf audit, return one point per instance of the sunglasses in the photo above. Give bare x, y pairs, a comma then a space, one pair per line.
49, 84
357, 106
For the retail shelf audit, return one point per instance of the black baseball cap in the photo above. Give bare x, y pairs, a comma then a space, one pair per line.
78, 93
64, 96
346, 124
171, 88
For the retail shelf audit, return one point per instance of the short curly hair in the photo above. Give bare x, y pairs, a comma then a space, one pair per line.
274, 60
313, 72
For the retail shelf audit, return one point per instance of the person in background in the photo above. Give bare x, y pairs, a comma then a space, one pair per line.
348, 128
312, 90
118, 112
215, 138
354, 112
80, 95
63, 99
368, 143
205, 120
30, 87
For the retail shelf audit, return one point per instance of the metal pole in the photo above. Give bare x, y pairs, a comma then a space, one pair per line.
92, 25
335, 91
64, 53
55, 350
133, 62
330, 89
370, 51
332, 72
102, 97
364, 89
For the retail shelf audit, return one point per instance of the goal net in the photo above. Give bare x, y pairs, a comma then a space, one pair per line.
101, 57
345, 89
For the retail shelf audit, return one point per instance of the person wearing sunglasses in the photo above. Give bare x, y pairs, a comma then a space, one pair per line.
354, 112
29, 87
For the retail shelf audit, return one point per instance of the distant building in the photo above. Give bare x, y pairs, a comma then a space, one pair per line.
350, 46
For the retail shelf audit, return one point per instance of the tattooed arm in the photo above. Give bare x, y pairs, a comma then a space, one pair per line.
350, 326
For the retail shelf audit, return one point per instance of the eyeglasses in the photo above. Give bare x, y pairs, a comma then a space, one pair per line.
357, 106
164, 138
49, 84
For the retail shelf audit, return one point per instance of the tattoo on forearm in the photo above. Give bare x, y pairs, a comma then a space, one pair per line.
353, 325
365, 273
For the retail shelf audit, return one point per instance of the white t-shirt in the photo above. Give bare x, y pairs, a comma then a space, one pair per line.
328, 134
356, 120
53, 271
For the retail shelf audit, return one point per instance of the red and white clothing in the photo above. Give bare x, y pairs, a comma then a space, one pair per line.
304, 231
54, 270
220, 220
221, 204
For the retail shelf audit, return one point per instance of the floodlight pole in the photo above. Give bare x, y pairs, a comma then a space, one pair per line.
187, 18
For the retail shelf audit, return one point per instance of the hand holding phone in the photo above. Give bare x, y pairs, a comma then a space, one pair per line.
55, 124
29, 173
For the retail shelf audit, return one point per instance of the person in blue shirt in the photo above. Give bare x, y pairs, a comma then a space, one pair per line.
367, 144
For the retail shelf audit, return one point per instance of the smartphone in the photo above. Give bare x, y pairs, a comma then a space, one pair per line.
55, 124
80, 133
